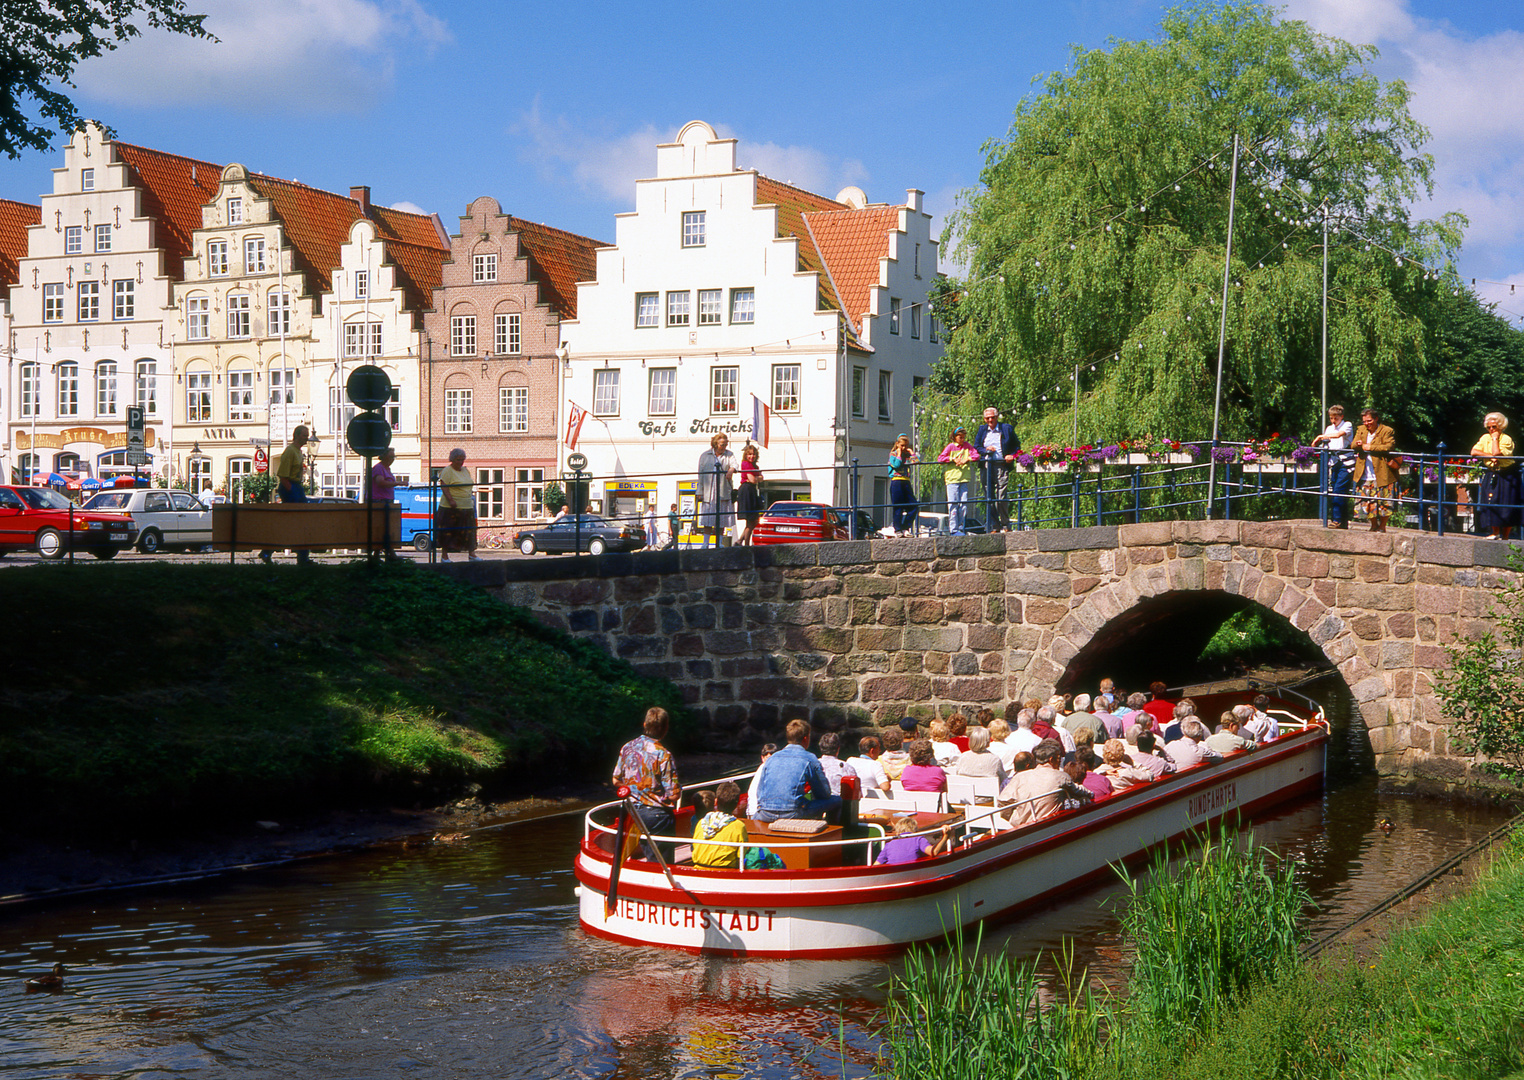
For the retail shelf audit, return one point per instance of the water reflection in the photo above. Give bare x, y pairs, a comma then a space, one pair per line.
466, 960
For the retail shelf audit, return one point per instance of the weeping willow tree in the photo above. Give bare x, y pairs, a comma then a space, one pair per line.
1096, 238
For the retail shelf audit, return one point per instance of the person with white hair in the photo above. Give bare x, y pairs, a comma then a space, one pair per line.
980, 760
1498, 500
455, 520
1024, 738
1083, 718
1190, 749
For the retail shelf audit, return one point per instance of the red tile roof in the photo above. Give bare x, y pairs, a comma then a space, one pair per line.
14, 219
316, 224
558, 260
851, 243
420, 270
175, 189
792, 204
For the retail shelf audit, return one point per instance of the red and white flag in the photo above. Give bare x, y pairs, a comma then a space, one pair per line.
761, 418
574, 420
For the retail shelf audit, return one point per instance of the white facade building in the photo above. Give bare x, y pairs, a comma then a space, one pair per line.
723, 285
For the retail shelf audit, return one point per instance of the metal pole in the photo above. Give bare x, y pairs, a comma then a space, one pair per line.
1222, 330
1441, 488
852, 502
1324, 413
577, 524
1075, 442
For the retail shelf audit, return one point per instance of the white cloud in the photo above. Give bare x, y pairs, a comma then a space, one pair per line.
408, 207
330, 55
610, 165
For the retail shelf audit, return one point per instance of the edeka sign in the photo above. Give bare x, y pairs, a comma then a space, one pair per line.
727, 919
697, 426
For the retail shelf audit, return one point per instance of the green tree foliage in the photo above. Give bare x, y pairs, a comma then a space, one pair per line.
1098, 231
43, 41
1483, 690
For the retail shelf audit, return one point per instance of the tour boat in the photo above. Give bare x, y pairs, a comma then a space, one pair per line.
825, 906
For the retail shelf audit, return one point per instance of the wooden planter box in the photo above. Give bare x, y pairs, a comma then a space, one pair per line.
301, 526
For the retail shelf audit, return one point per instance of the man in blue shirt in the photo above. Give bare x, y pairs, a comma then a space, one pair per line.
998, 446
791, 784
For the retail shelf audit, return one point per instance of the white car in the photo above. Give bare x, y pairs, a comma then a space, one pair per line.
165, 519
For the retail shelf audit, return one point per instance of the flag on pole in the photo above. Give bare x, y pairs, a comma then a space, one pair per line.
761, 418
574, 420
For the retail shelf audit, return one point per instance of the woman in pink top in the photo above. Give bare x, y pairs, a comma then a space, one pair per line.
923, 773
749, 494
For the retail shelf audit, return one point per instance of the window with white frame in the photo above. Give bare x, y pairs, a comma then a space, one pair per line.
484, 267
529, 494
282, 385
235, 211
103, 239
68, 388
240, 395
786, 388
198, 318
677, 308
606, 392
647, 309
918, 260
894, 315
89, 301
253, 254
724, 390
463, 335
87, 179
239, 468
915, 321
743, 305
198, 396
507, 333
340, 412
932, 329
200, 473
393, 409
458, 410
362, 284
123, 298
885, 397
26, 464
342, 485
74, 240
148, 387
693, 229
278, 312
489, 494
240, 317
105, 388
52, 302
711, 307
30, 385
513, 409
663, 392
362, 339
859, 391
217, 258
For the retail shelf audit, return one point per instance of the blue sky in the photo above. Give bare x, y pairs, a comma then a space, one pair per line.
554, 109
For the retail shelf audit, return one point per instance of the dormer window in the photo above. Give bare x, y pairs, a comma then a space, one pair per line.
235, 211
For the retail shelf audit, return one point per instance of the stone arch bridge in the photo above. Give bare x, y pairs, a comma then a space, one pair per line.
865, 631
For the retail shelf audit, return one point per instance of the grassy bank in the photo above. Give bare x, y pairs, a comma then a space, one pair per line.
1444, 998
139, 694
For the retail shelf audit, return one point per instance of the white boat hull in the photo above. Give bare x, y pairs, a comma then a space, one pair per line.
847, 911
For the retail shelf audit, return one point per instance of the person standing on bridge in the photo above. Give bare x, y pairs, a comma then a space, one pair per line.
716, 497
1337, 437
1376, 474
957, 456
1498, 499
998, 447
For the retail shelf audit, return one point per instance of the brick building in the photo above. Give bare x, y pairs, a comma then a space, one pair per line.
493, 336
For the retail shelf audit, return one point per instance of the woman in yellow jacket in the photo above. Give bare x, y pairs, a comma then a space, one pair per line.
1498, 503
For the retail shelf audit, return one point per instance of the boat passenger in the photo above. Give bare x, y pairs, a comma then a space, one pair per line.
895, 756
768, 750
1118, 768
866, 764
1037, 792
1158, 706
720, 827
1191, 749
980, 761
1043, 719
793, 785
1150, 758
646, 767
1183, 708
909, 728
923, 773
942, 747
1228, 740
1134, 710
1022, 762
1262, 725
1000, 732
831, 763
1111, 723
1083, 719
905, 848
957, 732
1084, 788
1025, 738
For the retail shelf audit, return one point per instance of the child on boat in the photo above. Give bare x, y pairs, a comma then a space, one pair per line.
721, 827
905, 848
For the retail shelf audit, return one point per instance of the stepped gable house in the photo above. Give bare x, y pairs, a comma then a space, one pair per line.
93, 284
494, 374
725, 285
288, 288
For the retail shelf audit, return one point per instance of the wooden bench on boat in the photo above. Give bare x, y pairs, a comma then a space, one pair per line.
788, 847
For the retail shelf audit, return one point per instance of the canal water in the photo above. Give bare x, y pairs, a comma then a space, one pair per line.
466, 960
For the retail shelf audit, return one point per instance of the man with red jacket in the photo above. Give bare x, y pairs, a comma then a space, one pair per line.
1160, 708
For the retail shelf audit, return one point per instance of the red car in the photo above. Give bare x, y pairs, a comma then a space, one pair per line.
800, 523
40, 519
